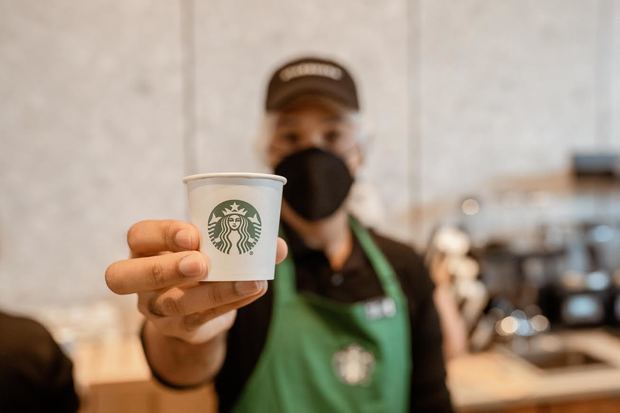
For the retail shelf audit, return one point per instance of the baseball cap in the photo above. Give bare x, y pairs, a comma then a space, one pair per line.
311, 76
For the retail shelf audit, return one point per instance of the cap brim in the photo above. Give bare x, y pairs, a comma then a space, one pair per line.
309, 87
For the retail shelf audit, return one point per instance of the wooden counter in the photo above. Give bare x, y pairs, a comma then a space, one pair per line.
113, 377
499, 381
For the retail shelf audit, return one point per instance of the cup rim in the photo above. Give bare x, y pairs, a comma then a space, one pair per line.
248, 175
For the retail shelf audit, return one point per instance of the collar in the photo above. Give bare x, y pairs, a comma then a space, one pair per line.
301, 252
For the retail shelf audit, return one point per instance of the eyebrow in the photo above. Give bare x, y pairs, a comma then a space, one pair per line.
287, 121
292, 120
334, 118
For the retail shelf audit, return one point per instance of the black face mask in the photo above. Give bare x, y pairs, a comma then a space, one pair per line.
318, 182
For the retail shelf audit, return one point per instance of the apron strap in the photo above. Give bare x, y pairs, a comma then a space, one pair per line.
285, 279
385, 271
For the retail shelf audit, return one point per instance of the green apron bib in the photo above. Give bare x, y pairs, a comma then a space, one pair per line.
326, 356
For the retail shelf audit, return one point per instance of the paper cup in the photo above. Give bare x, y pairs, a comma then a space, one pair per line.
238, 215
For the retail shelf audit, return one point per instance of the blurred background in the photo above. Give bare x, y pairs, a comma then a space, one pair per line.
493, 142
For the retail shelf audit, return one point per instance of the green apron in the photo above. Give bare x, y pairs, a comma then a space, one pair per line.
327, 356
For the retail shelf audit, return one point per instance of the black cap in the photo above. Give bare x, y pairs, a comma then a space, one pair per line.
311, 76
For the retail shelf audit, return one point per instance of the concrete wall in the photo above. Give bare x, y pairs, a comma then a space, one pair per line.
90, 129
105, 106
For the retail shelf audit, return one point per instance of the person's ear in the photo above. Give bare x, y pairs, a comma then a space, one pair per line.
361, 154
356, 158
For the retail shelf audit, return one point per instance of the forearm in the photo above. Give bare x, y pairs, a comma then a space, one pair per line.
452, 325
181, 363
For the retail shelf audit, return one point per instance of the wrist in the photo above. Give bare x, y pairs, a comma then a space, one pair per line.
150, 334
179, 364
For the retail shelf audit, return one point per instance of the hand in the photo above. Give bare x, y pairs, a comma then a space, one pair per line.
164, 270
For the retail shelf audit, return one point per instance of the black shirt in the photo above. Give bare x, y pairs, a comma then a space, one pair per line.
35, 375
357, 281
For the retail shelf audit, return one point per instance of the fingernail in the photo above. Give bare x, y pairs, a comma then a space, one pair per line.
184, 239
246, 287
192, 265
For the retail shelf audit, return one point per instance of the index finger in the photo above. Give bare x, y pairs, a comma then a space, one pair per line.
150, 237
281, 250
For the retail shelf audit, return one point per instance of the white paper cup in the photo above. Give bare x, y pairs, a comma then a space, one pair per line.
238, 215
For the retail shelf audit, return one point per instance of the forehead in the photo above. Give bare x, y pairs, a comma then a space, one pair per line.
313, 111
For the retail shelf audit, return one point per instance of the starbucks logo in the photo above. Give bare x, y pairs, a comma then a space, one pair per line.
353, 365
234, 223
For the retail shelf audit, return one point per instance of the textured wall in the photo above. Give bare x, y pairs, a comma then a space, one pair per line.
610, 76
106, 105
508, 88
90, 132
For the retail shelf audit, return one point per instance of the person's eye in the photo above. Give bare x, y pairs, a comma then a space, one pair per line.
290, 138
332, 136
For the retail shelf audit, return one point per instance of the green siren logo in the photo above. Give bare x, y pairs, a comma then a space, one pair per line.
234, 223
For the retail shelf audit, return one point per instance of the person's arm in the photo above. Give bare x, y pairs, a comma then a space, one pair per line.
62, 394
428, 380
179, 364
186, 320
452, 324
35, 374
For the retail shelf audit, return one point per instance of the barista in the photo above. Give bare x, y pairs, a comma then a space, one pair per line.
349, 322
